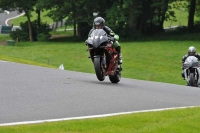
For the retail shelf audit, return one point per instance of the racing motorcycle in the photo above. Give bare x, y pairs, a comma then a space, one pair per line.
192, 71
104, 56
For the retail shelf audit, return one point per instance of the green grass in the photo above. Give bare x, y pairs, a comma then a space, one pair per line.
4, 37
170, 121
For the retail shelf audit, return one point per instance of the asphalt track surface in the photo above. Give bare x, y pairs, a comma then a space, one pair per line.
32, 93
5, 17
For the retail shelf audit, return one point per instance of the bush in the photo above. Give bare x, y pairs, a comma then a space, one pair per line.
39, 32
43, 37
19, 35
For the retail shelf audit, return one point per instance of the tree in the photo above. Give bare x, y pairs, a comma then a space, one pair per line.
22, 6
78, 11
192, 7
138, 17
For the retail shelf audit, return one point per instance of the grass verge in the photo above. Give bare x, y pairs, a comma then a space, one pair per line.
170, 121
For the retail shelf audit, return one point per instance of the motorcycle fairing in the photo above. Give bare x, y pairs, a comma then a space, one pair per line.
191, 64
97, 37
191, 61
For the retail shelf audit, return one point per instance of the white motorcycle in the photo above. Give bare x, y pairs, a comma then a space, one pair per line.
192, 71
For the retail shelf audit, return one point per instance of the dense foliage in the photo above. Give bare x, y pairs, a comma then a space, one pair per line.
40, 33
128, 18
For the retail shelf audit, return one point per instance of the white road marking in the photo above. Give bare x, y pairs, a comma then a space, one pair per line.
2, 61
87, 117
6, 22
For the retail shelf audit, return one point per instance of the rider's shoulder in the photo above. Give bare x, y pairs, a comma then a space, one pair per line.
91, 30
198, 55
185, 56
107, 28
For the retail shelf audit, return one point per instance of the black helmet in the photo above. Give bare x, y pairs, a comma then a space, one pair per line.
191, 50
99, 21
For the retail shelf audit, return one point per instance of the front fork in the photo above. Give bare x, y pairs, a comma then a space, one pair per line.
198, 70
186, 75
198, 74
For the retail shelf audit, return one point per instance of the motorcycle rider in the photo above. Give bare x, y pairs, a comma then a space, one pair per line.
191, 52
99, 23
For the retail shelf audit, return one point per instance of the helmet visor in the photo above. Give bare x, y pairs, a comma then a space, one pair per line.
191, 53
97, 23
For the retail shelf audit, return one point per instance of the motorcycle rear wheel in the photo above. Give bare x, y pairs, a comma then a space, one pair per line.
100, 72
116, 78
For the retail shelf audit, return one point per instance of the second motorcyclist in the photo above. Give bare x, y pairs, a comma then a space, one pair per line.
191, 52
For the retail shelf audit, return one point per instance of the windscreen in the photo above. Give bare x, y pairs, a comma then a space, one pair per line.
97, 37
191, 61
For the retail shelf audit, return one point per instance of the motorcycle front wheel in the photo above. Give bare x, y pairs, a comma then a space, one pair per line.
192, 79
99, 69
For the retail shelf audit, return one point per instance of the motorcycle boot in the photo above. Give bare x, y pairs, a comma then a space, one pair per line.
119, 68
119, 55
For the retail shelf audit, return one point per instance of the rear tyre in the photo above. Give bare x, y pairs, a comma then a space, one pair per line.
116, 78
99, 69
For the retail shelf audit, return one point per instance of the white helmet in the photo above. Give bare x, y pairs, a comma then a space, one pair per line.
191, 50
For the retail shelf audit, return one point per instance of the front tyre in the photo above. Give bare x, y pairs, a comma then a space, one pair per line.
192, 79
99, 69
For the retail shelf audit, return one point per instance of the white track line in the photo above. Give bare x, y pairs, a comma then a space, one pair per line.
3, 61
87, 117
6, 22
